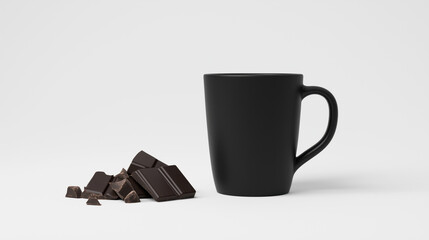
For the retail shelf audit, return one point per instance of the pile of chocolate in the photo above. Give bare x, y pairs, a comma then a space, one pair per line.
145, 178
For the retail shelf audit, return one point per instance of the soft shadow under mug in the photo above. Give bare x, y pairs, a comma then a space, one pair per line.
253, 123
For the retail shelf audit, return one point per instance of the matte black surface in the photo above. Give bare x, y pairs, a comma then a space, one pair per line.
97, 185
73, 192
164, 183
144, 160
253, 123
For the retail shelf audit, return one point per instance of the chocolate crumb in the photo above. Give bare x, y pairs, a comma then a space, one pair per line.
92, 200
73, 192
132, 197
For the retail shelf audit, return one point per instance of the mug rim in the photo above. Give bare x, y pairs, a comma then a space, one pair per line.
253, 75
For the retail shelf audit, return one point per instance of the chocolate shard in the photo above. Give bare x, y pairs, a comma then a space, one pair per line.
154, 182
97, 185
139, 190
132, 197
178, 181
110, 194
164, 183
93, 200
73, 192
144, 160
122, 175
122, 188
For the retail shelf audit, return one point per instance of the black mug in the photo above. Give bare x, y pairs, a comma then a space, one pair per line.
253, 123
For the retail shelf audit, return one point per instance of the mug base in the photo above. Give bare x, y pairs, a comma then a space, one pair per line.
252, 194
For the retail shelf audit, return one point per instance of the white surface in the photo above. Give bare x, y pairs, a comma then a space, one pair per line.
84, 85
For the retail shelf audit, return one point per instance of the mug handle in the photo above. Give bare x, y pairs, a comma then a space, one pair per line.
330, 131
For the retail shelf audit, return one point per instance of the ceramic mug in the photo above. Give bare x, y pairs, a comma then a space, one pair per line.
253, 123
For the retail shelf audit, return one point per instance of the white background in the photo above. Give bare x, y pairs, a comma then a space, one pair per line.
85, 85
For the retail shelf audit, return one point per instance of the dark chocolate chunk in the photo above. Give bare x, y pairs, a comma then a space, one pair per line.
110, 194
139, 190
132, 197
144, 160
179, 183
92, 200
159, 164
164, 183
122, 188
154, 182
73, 192
97, 185
122, 175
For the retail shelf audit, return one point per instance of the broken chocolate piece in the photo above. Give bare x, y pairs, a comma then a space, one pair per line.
110, 194
97, 185
144, 160
122, 188
179, 183
122, 175
164, 183
73, 192
139, 190
92, 200
159, 164
132, 197
154, 182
